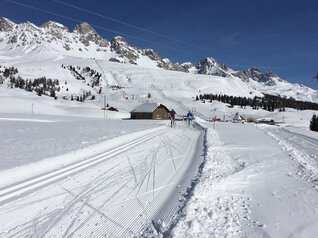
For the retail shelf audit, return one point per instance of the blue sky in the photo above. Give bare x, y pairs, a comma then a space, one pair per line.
272, 35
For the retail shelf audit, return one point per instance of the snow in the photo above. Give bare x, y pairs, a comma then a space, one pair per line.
255, 181
70, 169
53, 43
53, 136
55, 24
249, 188
120, 184
146, 107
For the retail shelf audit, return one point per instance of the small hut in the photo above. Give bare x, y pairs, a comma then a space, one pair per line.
268, 121
238, 118
150, 111
113, 109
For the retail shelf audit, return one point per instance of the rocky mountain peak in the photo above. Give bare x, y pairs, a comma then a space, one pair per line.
257, 75
29, 27
28, 34
88, 34
205, 64
210, 61
252, 73
54, 26
211, 67
6, 24
121, 47
56, 30
84, 28
186, 67
119, 40
153, 55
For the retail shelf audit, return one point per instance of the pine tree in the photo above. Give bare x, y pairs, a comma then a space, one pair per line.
6, 73
52, 94
314, 123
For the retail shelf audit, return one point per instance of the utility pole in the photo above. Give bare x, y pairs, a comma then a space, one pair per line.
104, 106
106, 81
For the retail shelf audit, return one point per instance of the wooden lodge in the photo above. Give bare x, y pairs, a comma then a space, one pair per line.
150, 111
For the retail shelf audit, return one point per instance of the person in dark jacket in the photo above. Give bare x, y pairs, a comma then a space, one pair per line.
189, 118
172, 115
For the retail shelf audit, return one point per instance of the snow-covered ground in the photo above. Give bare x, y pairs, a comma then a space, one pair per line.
258, 181
70, 169
115, 187
39, 136
95, 177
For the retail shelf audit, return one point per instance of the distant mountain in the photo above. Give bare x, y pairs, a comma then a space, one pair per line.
268, 78
211, 67
83, 42
54, 39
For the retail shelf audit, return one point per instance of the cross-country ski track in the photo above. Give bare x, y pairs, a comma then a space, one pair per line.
130, 189
301, 148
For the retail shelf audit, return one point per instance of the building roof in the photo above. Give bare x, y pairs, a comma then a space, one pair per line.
146, 107
265, 119
238, 117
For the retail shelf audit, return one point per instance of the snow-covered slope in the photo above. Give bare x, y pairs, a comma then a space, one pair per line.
124, 85
264, 82
54, 38
40, 51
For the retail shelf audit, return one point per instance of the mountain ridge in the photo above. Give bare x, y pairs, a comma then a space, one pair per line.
84, 41
86, 34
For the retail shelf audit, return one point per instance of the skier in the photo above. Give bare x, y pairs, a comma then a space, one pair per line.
189, 118
172, 115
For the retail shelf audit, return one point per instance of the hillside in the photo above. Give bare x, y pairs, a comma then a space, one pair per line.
42, 51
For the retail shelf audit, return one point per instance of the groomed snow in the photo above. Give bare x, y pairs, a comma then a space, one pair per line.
112, 188
250, 187
70, 169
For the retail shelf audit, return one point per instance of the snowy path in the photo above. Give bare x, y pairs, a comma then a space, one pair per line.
117, 193
251, 186
302, 148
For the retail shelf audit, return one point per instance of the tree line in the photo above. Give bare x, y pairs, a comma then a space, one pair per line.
42, 86
78, 72
314, 123
267, 102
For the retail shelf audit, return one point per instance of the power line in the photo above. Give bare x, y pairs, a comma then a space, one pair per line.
132, 26
149, 31
124, 34
100, 27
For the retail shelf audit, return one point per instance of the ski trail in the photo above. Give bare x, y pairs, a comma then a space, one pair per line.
132, 170
117, 193
302, 149
10, 192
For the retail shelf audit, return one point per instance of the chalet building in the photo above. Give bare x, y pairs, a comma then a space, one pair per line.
269, 121
238, 118
150, 111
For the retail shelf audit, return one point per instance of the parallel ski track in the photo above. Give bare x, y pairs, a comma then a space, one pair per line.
161, 207
304, 144
12, 192
301, 148
309, 141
